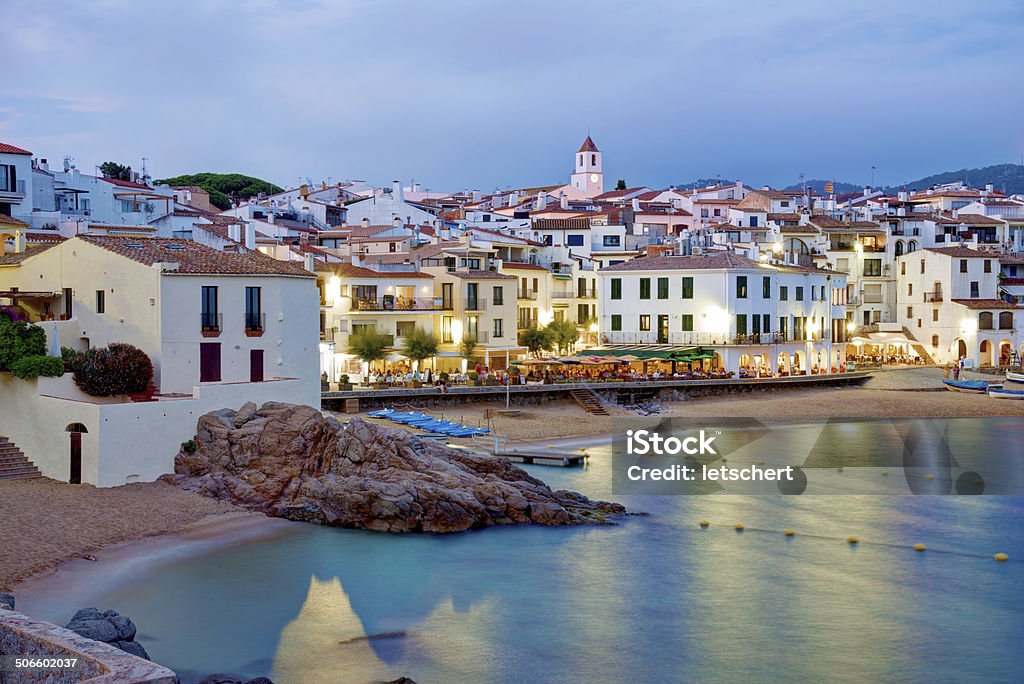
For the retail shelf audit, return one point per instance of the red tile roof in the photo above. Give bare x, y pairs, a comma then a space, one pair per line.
16, 258
481, 275
127, 184
11, 149
588, 146
987, 304
6, 220
522, 266
959, 252
353, 271
661, 262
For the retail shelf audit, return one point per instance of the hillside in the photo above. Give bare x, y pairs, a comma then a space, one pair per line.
1008, 178
223, 187
818, 186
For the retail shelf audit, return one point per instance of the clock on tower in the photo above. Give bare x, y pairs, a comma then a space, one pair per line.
588, 177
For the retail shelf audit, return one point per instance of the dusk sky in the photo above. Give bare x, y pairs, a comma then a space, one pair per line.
461, 94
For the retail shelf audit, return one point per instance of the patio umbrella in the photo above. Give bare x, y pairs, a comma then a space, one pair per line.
55, 342
628, 358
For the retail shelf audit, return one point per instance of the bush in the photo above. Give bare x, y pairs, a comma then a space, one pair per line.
72, 359
344, 379
18, 339
113, 370
189, 447
28, 367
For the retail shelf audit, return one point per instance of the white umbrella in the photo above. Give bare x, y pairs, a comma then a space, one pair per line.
55, 342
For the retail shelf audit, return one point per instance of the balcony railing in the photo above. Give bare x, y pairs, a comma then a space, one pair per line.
563, 294
480, 336
526, 294
255, 323
696, 338
18, 188
401, 304
932, 296
586, 293
478, 304
211, 323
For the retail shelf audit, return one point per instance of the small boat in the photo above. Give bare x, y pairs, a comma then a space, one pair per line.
969, 386
1015, 378
1003, 393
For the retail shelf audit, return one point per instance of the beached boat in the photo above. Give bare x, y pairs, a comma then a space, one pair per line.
969, 386
1003, 393
1015, 378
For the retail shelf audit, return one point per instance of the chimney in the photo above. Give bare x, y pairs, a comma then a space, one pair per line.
396, 191
365, 222
988, 187
542, 201
250, 235
765, 188
476, 196
235, 232
636, 204
903, 195
309, 262
415, 187
43, 165
396, 221
867, 190
513, 198
563, 201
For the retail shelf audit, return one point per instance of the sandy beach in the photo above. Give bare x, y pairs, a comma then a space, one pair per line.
901, 392
46, 522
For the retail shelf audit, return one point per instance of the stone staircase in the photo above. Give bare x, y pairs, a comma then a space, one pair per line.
14, 465
918, 347
590, 403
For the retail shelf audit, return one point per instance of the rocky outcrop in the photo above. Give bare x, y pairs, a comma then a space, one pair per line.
293, 462
110, 627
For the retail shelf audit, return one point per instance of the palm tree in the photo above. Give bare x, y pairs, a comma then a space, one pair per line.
563, 334
535, 339
369, 345
419, 345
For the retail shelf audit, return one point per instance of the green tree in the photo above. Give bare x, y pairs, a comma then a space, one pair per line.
563, 334
223, 187
467, 347
419, 345
536, 339
113, 370
621, 185
369, 344
18, 339
116, 171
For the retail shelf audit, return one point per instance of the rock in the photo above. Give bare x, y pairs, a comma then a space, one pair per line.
110, 627
293, 462
97, 630
133, 647
6, 600
229, 678
259, 680
125, 627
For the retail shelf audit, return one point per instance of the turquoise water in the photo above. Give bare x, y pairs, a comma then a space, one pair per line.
653, 599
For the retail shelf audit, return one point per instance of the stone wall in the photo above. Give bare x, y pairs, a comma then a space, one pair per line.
99, 663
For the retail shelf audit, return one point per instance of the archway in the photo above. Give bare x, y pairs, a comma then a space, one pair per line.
911, 246
798, 362
783, 363
75, 456
1005, 352
899, 248
985, 353
961, 349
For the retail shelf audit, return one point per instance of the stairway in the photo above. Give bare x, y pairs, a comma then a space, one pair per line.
589, 402
918, 347
14, 465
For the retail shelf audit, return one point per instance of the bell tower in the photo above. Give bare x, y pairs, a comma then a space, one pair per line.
589, 175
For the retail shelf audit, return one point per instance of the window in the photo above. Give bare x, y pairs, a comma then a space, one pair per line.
101, 301
662, 288
446, 329
253, 310
718, 212
783, 293
910, 289
799, 294
903, 268
687, 322
784, 326
7, 182
392, 247
910, 312
753, 222
499, 329
974, 289
574, 240
687, 287
963, 265
935, 315
988, 265
922, 265
935, 341
593, 160
741, 287
499, 295
872, 267
1006, 320
209, 303
616, 322
404, 328
766, 287
985, 320
766, 323
645, 322
784, 203
645, 288
128, 207
472, 302
616, 288
611, 241
741, 324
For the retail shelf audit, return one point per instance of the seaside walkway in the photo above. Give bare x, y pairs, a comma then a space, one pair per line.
622, 392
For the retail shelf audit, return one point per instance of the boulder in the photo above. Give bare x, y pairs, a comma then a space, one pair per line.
6, 600
293, 462
110, 627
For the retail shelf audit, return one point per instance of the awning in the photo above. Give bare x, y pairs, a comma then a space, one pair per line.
21, 294
645, 352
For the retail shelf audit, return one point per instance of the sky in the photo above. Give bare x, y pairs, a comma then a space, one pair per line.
477, 95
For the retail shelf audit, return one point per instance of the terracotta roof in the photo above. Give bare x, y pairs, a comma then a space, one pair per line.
783, 217
661, 262
193, 257
6, 220
522, 266
612, 194
986, 304
481, 275
11, 149
974, 219
17, 258
126, 184
352, 271
959, 252
44, 236
588, 146
802, 229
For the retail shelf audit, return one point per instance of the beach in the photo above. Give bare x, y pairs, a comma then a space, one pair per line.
46, 522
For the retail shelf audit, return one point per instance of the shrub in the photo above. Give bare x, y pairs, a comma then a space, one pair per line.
443, 376
344, 379
189, 447
18, 339
28, 367
116, 369
72, 359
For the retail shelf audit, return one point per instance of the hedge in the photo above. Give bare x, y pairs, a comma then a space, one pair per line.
28, 367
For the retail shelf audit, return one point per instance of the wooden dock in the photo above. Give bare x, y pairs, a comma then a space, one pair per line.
544, 458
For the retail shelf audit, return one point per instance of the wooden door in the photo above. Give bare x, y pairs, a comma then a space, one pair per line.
76, 458
255, 365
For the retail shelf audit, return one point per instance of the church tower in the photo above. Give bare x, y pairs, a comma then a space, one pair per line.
589, 176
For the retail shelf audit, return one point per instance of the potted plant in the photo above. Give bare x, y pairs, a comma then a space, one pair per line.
325, 385
474, 378
344, 384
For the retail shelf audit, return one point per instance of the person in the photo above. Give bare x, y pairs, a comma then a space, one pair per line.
956, 371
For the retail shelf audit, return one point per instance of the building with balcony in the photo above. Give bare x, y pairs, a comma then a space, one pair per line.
15, 182
746, 313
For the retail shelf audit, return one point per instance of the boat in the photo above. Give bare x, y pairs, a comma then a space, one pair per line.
969, 386
1015, 378
1003, 393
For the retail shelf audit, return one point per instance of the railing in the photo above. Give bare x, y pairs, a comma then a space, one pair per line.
932, 296
586, 293
697, 338
478, 304
526, 294
480, 336
18, 189
255, 321
853, 300
905, 232
563, 294
401, 304
211, 322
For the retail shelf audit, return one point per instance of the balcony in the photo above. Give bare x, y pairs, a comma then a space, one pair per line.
477, 304
211, 323
526, 294
12, 193
586, 293
255, 323
563, 294
388, 303
933, 296
480, 337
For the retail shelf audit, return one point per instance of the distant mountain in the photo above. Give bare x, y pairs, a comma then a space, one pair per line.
225, 186
819, 186
1008, 178
704, 183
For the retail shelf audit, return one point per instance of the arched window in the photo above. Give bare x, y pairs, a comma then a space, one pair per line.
935, 341
1006, 320
593, 160
985, 320
581, 160
911, 246
899, 248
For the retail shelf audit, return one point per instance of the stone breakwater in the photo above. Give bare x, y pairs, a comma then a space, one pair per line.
293, 462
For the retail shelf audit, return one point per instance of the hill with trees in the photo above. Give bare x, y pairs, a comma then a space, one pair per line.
1008, 178
225, 187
